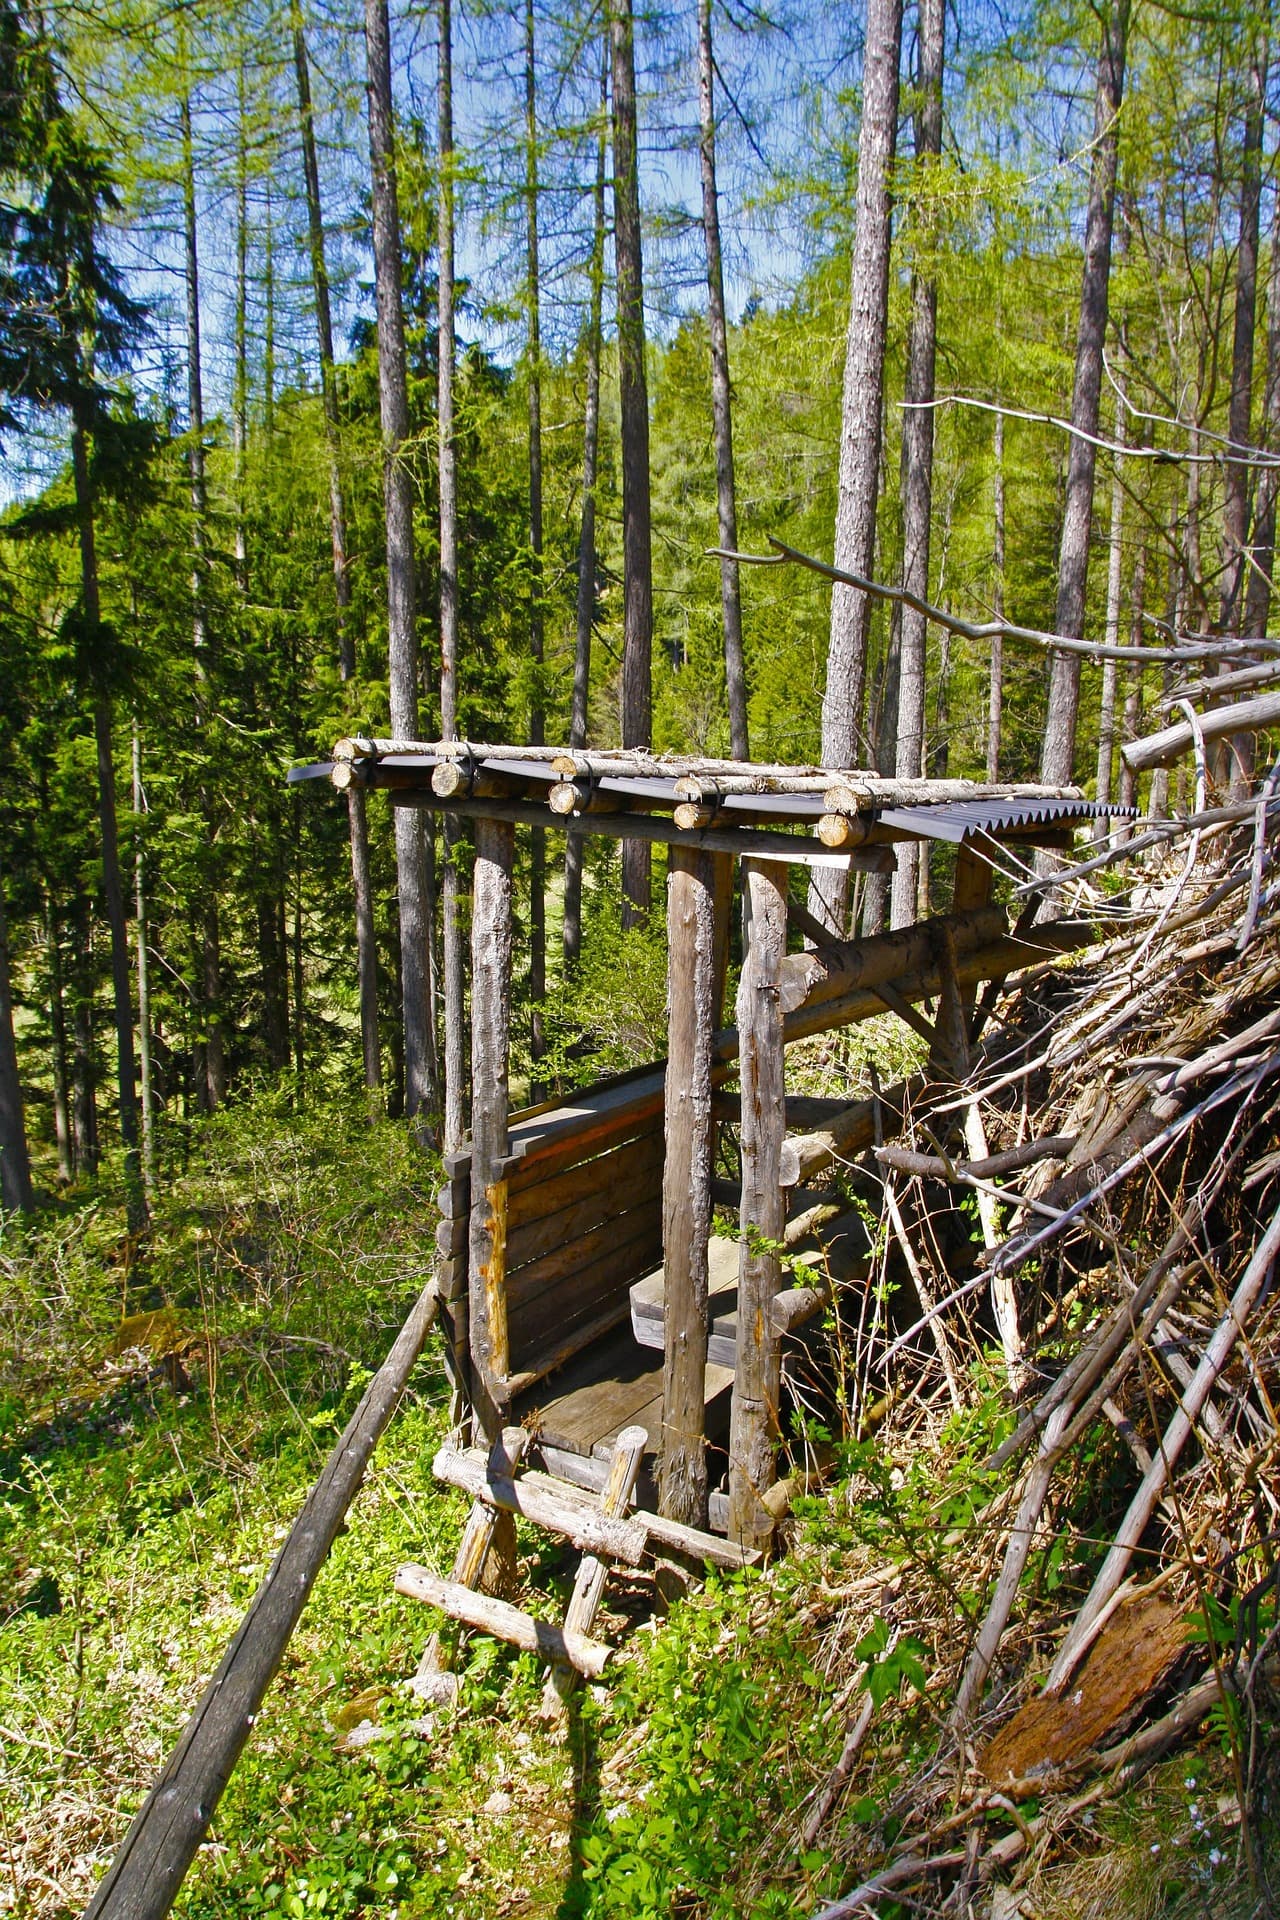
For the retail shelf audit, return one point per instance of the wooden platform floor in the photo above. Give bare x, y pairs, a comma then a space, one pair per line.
616, 1383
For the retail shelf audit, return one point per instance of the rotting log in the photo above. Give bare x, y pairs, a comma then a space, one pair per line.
536, 1494
504, 1621
753, 1426
143, 1879
686, 1187
490, 1026
1243, 716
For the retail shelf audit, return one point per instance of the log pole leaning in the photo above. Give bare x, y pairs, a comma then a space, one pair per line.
143, 1879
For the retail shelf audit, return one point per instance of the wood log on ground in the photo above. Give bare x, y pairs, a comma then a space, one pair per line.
490, 1021
1243, 716
686, 1191
143, 1879
504, 1621
756, 1385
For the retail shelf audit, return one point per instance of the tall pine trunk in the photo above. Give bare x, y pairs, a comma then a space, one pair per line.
1107, 704
537, 721
637, 560
995, 689
843, 742
917, 450
455, 1014
144, 977
1058, 754
1235, 511
112, 888
357, 815
721, 399
586, 607
15, 1165
58, 1043
393, 398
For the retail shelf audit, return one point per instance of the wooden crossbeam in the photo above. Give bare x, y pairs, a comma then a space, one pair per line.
504, 1621
484, 1524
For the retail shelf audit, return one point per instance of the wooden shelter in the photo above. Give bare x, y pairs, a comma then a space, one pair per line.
581, 1291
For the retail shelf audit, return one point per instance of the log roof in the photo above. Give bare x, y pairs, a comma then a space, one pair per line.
771, 810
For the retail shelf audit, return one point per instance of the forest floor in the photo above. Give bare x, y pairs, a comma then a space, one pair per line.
164, 1408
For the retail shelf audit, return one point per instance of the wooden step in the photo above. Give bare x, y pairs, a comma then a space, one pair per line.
560, 1645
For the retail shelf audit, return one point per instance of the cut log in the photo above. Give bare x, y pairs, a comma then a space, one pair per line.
1243, 716
490, 1020
504, 1621
825, 973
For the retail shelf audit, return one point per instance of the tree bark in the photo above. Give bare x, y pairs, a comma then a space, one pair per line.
402, 643
213, 1088
144, 977
637, 565
1258, 589
357, 820
586, 607
735, 676
860, 434
58, 1043
537, 838
1107, 705
995, 695
455, 1025
112, 888
15, 1165
84, 1063
917, 451
1058, 753
1235, 509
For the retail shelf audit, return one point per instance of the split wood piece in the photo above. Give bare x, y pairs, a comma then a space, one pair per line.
836, 968
143, 1879
1229, 1329
539, 1496
686, 1192
484, 1523
588, 1585
459, 779
504, 1621
762, 842
561, 1509
932, 1166
581, 796
1243, 716
490, 1020
753, 1428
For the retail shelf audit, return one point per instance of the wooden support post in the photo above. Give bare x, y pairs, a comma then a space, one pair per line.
686, 1184
754, 1420
588, 1586
490, 1028
487, 1526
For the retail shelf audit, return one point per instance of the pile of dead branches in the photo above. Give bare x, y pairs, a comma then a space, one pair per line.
1127, 1188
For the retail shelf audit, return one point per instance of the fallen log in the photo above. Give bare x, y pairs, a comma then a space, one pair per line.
1243, 716
143, 1879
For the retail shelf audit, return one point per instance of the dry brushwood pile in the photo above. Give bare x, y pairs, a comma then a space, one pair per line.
1096, 1583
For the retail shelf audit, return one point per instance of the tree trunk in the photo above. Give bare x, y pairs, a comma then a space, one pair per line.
213, 1090
455, 1019
637, 567
393, 399
1133, 693
144, 976
15, 1165
995, 696
917, 452
112, 888
240, 326
1058, 754
860, 434
357, 819
1235, 509
58, 1044
84, 1064
586, 608
1107, 708
537, 735
735, 677
1258, 590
